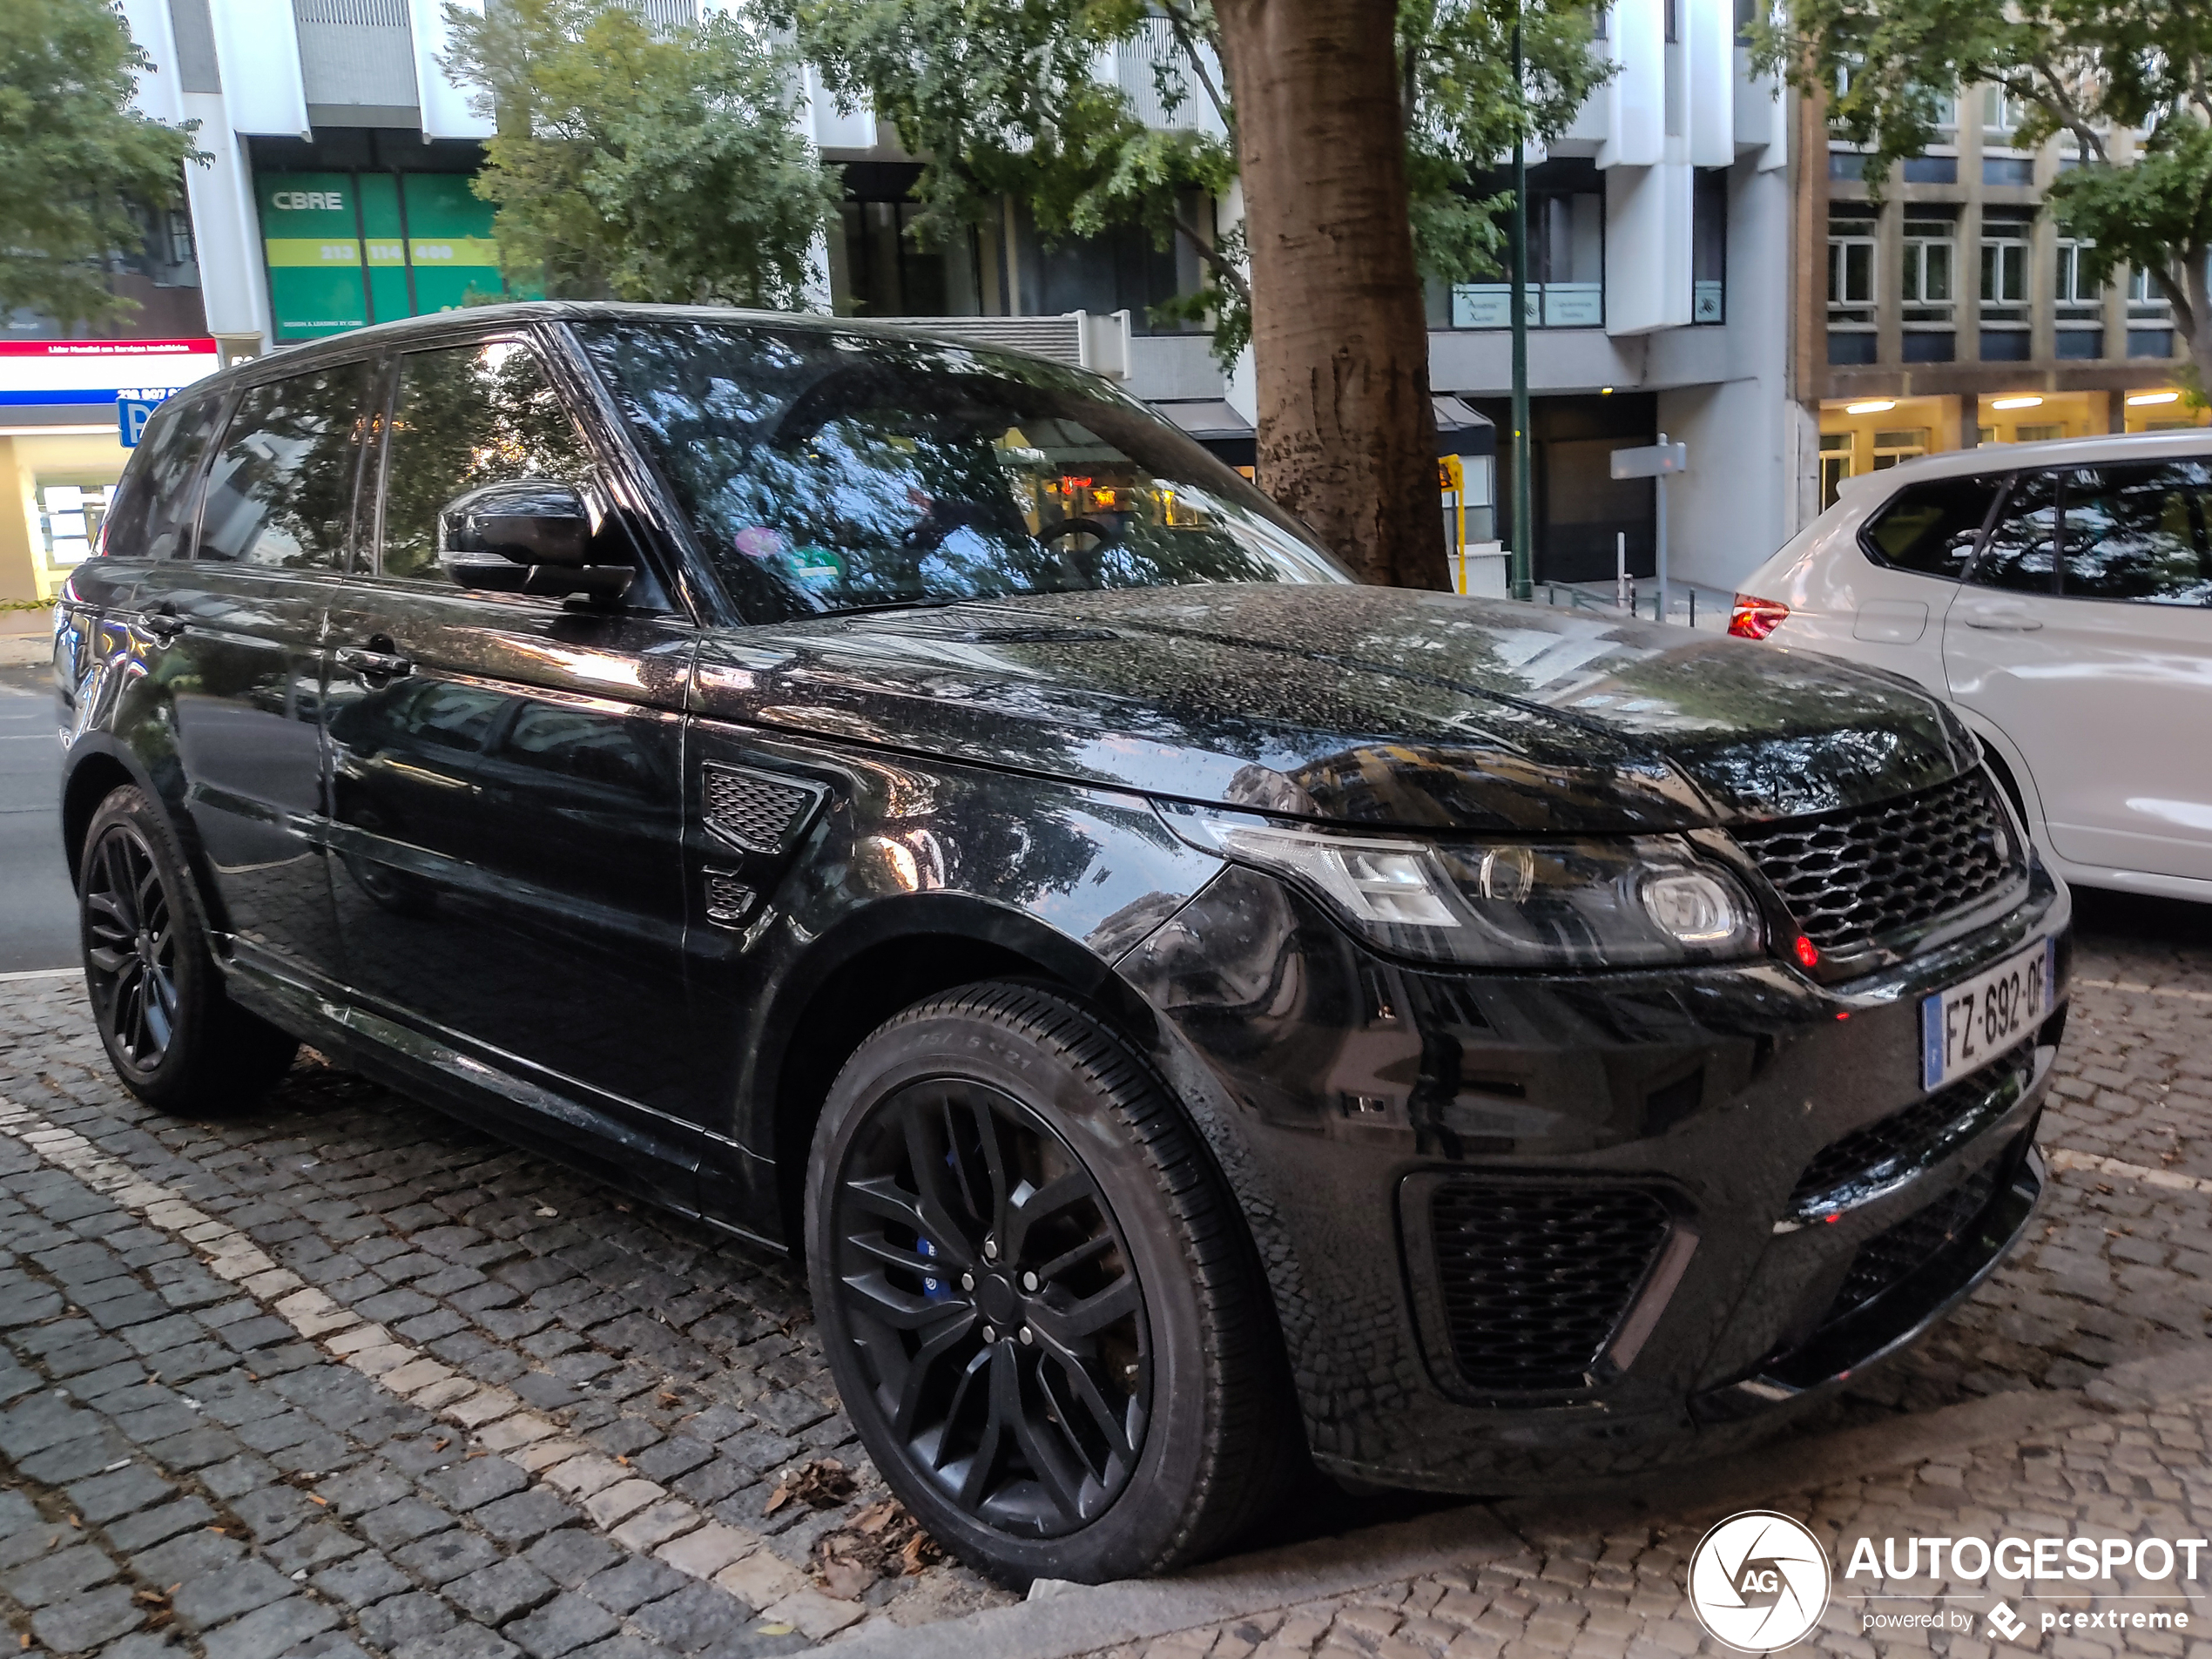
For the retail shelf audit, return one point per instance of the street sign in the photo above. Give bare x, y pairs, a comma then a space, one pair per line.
134, 406
1652, 461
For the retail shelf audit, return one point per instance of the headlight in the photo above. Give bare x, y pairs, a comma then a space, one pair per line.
1632, 901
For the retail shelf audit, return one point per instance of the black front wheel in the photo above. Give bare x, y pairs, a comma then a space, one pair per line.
1040, 1304
174, 1036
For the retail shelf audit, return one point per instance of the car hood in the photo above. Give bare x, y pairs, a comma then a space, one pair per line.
1356, 705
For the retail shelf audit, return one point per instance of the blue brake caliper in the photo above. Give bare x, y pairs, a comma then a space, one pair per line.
936, 1290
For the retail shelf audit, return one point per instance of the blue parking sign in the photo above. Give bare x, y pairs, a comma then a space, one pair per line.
132, 410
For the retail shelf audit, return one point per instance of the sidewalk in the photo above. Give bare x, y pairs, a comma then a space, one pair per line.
1605, 1577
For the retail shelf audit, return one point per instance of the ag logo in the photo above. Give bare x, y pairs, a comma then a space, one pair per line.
1759, 1581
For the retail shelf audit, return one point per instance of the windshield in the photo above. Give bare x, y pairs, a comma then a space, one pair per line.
827, 472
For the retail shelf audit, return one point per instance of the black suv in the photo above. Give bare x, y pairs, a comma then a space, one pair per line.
905, 802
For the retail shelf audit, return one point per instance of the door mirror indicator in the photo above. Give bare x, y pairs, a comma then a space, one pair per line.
532, 535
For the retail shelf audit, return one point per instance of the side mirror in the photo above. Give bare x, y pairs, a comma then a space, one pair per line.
533, 535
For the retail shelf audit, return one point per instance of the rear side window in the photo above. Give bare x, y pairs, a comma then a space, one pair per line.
2139, 532
1931, 527
280, 492
152, 515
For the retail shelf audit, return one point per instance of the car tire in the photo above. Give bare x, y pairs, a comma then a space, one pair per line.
1091, 1385
171, 1032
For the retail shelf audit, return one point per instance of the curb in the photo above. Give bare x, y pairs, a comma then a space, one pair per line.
1079, 1620
26, 651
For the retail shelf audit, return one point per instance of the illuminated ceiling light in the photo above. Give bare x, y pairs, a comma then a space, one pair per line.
2015, 402
2136, 400
1605, 391
1873, 406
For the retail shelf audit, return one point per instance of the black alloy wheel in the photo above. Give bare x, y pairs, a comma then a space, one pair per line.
1042, 1309
130, 946
983, 1275
167, 1023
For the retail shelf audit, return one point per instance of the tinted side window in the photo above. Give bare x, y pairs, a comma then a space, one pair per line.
2139, 532
281, 490
152, 514
2017, 555
463, 418
1931, 527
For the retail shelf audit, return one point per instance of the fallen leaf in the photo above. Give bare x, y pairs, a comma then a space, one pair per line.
822, 1484
317, 1497
777, 1630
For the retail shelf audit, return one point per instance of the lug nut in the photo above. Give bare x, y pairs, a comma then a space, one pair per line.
990, 1333
1028, 1281
968, 1281
990, 1249
1027, 1336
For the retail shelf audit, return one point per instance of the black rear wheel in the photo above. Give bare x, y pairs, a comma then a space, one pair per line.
175, 1038
1041, 1308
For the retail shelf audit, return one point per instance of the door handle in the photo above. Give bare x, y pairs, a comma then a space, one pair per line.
2001, 622
374, 665
162, 622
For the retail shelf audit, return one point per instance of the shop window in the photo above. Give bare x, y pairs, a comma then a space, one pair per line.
1900, 443
71, 512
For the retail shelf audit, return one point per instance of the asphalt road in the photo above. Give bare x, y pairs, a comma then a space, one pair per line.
37, 911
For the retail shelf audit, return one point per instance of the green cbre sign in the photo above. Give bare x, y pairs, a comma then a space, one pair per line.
345, 249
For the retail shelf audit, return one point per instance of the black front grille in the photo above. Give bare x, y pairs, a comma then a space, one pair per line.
1883, 1151
1854, 877
1534, 1280
1888, 1258
753, 811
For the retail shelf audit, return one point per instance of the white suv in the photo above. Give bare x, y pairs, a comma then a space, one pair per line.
2060, 595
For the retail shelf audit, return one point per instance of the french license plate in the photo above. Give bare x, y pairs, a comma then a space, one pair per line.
1969, 1024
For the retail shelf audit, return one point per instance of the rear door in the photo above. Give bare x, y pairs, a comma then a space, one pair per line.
507, 790
231, 642
2128, 704
2084, 636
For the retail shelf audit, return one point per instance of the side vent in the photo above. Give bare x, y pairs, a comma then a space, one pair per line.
755, 810
729, 901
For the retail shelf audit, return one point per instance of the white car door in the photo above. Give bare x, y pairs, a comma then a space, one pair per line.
2097, 662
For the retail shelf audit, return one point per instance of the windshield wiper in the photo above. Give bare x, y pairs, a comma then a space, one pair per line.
924, 603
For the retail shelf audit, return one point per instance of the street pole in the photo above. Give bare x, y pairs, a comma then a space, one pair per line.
1524, 542
1665, 598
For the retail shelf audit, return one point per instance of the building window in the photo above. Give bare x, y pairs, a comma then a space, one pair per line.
2150, 317
1927, 289
2004, 288
1925, 280
1851, 294
1709, 246
1836, 451
1899, 444
2001, 114
2079, 307
1566, 268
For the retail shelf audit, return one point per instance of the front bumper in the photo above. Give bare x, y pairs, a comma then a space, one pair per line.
1667, 1126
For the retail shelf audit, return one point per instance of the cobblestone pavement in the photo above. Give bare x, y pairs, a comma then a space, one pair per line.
347, 1377
1610, 1584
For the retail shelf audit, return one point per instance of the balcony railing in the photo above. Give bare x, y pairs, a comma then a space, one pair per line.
1549, 304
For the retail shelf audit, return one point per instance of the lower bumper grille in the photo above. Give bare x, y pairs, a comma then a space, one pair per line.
1888, 1258
1534, 1281
1868, 1158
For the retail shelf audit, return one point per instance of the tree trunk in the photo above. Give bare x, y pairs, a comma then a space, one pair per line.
2195, 315
1340, 332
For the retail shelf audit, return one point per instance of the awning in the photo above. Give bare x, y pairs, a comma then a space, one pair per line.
1461, 429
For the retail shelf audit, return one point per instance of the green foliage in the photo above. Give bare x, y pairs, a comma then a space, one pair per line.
2086, 68
1006, 100
79, 160
639, 163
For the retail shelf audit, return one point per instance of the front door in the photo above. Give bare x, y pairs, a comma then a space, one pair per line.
506, 794
237, 647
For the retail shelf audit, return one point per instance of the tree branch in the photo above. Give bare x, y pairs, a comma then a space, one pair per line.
1180, 21
1224, 268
